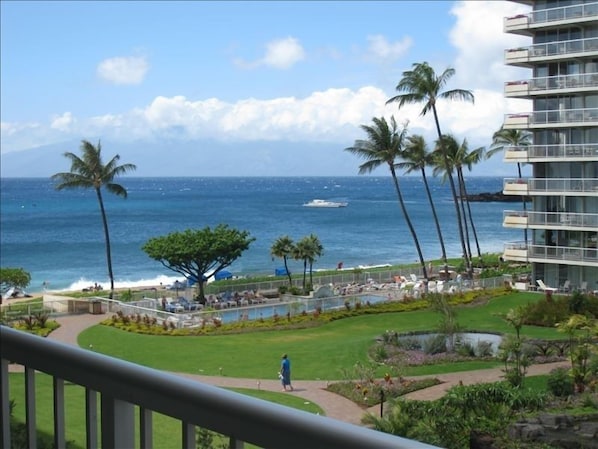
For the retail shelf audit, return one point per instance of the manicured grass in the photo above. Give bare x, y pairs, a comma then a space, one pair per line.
167, 431
316, 353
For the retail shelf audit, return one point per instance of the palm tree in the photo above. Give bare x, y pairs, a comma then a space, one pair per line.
516, 138
459, 156
421, 84
89, 172
283, 248
301, 252
416, 157
385, 146
315, 250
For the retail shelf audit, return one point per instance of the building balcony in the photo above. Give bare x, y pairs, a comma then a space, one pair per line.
551, 186
550, 220
566, 15
561, 118
565, 255
548, 153
124, 387
551, 85
552, 51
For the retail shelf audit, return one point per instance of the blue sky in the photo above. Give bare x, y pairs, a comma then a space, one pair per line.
254, 76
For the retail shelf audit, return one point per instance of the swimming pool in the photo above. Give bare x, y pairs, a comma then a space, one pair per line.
284, 307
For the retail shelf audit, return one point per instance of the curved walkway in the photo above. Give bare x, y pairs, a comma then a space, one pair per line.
334, 406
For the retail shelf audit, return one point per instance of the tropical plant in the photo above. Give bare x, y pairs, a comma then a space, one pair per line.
512, 352
199, 254
580, 330
284, 248
417, 157
384, 146
90, 172
421, 84
518, 138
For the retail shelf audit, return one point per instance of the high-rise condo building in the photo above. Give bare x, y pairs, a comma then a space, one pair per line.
561, 223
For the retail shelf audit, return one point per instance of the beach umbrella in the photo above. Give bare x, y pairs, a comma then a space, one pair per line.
223, 274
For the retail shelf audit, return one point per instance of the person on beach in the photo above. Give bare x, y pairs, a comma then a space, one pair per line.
285, 373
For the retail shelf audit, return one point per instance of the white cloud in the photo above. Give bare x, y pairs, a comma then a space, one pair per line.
123, 70
280, 54
63, 122
480, 40
380, 49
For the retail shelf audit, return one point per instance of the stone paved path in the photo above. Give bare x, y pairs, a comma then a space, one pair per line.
334, 406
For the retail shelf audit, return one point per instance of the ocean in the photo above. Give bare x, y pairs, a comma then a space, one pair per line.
57, 236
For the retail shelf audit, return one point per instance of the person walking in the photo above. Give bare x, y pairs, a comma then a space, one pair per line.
285, 373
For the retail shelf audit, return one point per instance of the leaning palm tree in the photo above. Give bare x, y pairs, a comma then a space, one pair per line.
417, 157
90, 172
384, 146
284, 248
516, 138
421, 84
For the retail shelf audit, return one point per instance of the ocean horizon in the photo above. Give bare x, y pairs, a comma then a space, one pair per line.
57, 236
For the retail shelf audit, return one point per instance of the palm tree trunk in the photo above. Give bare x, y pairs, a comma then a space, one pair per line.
286, 267
311, 269
463, 214
304, 274
475, 234
107, 238
454, 192
436, 222
410, 225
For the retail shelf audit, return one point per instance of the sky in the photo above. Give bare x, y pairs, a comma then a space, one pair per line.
240, 87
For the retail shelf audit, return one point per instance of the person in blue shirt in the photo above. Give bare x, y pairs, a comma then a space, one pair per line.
285, 373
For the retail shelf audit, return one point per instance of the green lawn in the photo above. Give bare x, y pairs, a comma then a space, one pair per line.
316, 353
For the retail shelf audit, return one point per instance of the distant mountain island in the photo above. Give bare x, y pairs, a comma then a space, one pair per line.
489, 197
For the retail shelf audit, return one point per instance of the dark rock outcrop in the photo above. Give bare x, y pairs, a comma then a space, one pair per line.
489, 197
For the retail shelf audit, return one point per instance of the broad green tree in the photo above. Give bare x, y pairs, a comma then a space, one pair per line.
88, 171
384, 146
511, 138
13, 278
417, 157
283, 248
421, 84
199, 254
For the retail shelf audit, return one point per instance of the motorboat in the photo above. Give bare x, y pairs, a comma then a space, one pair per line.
325, 203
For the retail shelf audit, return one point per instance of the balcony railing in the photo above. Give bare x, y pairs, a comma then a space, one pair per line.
534, 219
548, 186
565, 13
123, 385
548, 253
539, 85
563, 253
554, 117
538, 52
533, 153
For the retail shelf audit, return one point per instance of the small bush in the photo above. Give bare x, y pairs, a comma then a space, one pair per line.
560, 383
435, 345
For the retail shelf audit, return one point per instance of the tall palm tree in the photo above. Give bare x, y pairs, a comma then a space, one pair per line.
90, 172
516, 138
315, 250
384, 146
461, 157
283, 248
421, 84
417, 157
301, 252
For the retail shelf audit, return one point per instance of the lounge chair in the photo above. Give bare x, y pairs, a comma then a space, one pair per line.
584, 287
565, 287
543, 287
